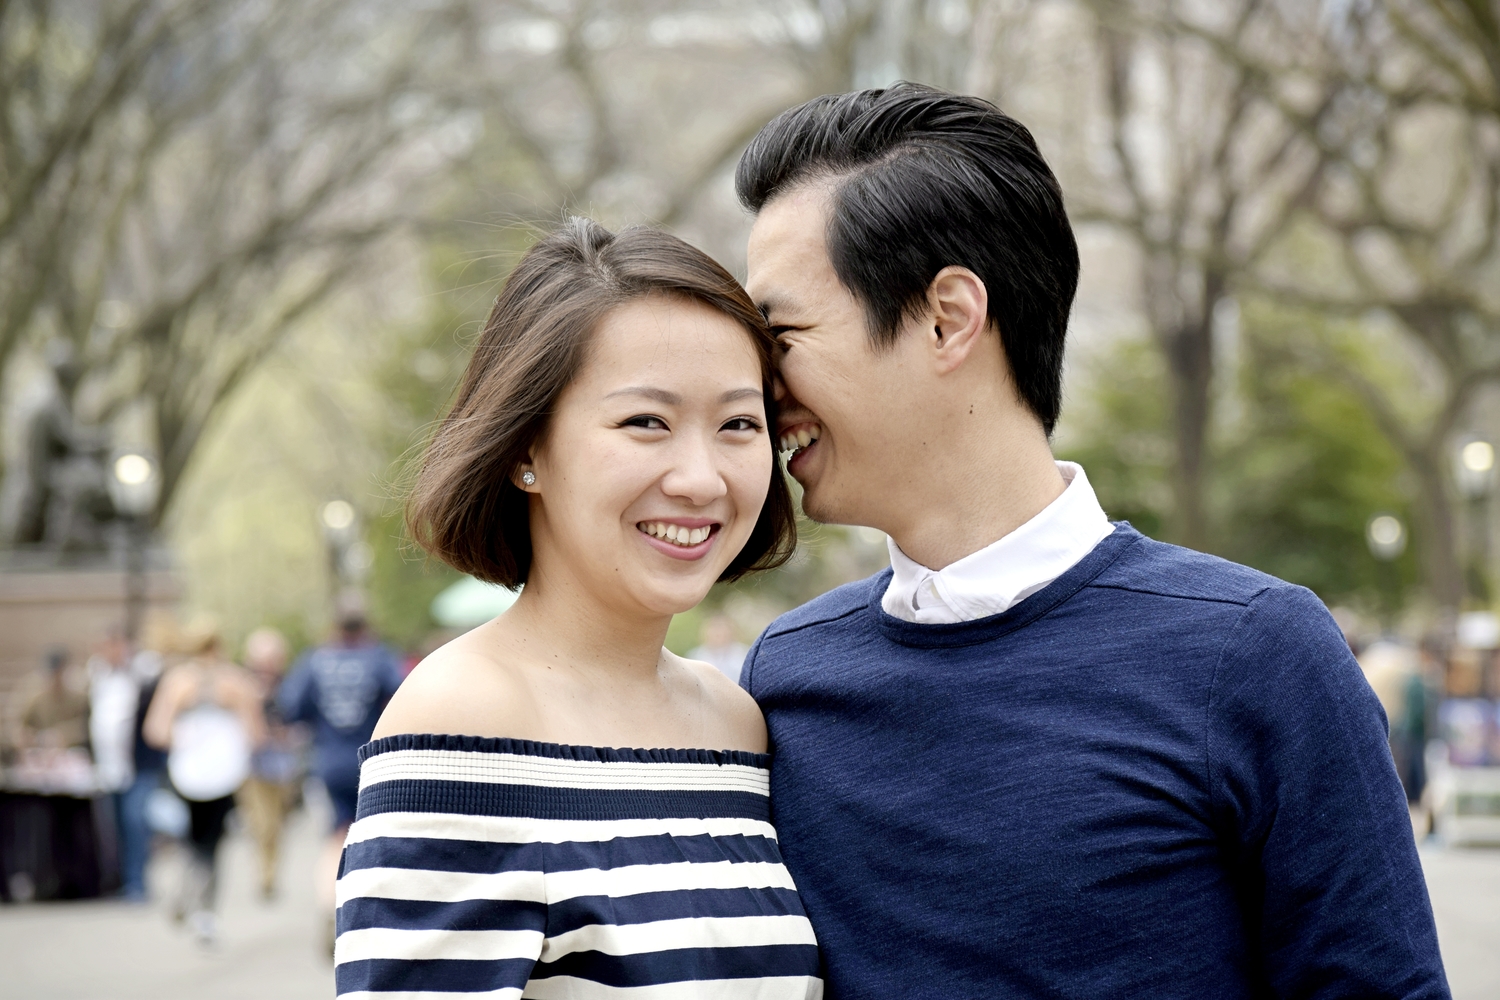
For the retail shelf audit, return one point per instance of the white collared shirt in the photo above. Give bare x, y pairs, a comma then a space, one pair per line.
1006, 572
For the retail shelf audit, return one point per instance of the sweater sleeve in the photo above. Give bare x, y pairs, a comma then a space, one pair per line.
747, 667
1311, 815
421, 913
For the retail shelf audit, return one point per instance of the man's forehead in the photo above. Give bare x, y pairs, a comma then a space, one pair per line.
787, 248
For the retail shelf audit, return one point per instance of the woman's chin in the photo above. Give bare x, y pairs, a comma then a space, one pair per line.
671, 597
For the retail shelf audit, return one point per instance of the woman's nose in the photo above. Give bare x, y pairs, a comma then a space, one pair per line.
695, 475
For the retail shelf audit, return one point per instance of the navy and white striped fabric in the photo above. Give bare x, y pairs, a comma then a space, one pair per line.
501, 868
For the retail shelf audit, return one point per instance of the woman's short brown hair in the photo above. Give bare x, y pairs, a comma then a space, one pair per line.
464, 508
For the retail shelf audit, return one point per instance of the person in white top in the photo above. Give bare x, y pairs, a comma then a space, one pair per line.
114, 693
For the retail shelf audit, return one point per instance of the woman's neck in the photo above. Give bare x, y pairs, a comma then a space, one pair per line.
559, 621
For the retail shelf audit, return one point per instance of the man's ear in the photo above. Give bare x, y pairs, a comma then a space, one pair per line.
959, 309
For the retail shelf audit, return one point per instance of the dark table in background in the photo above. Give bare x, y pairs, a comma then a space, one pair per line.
55, 847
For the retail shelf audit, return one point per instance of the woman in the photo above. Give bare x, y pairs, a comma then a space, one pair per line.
609, 448
206, 714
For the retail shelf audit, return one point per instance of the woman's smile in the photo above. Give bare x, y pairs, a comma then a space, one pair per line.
680, 537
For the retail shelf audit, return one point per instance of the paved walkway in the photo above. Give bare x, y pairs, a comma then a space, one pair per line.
1465, 887
111, 951
115, 951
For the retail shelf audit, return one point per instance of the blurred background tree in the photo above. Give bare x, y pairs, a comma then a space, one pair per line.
271, 232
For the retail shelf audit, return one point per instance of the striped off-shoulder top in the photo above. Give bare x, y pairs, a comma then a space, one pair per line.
502, 868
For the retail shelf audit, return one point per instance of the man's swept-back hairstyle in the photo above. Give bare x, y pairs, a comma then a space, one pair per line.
923, 180
464, 508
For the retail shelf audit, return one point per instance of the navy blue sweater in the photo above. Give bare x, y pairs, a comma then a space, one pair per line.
1161, 776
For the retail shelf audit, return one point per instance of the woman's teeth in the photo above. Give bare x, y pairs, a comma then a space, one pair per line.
676, 533
801, 437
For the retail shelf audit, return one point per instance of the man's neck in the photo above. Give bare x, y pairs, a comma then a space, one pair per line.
980, 491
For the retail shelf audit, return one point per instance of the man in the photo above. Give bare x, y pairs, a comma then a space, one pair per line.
114, 695
55, 715
275, 776
340, 688
1042, 755
148, 763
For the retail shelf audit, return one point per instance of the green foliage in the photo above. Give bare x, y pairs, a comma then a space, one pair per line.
402, 584
1298, 466
1301, 477
416, 379
1118, 429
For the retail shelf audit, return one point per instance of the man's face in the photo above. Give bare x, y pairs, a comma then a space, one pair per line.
846, 409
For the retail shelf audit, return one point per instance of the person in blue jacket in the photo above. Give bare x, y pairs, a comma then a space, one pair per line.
339, 689
1042, 755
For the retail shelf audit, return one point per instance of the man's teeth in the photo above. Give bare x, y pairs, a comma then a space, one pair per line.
801, 437
676, 533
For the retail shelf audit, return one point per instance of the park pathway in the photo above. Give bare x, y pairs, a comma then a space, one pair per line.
115, 951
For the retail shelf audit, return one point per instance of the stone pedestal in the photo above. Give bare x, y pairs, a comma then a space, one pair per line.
73, 606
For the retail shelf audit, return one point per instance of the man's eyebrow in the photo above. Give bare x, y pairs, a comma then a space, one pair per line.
770, 304
660, 395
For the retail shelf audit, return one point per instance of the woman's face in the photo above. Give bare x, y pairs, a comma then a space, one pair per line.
656, 461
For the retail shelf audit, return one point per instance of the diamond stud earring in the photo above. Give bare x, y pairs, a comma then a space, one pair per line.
528, 477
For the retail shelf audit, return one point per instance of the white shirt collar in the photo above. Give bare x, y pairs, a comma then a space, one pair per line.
1005, 572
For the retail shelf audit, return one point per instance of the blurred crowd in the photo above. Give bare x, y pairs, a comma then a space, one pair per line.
111, 757
1441, 696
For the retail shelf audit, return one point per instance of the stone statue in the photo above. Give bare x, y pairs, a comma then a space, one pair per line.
56, 494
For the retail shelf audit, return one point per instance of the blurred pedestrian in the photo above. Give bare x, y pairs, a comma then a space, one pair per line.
720, 647
56, 714
113, 695
1394, 670
207, 715
340, 688
148, 763
275, 768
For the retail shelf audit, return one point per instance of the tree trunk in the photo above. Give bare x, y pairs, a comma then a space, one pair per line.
1440, 549
1189, 351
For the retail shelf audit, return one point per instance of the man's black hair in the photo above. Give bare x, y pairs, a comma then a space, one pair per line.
925, 179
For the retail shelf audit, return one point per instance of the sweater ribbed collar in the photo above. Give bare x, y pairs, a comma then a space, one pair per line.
1018, 616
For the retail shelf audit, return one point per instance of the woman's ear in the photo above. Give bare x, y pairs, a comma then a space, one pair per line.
524, 479
524, 476
959, 305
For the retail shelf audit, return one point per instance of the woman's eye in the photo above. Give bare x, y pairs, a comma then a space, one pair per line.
648, 422
742, 424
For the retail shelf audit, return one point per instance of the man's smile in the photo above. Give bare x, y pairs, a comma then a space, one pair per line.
800, 435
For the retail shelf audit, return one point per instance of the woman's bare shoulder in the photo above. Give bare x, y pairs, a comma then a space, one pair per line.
737, 714
460, 689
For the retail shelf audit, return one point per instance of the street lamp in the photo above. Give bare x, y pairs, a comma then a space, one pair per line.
338, 519
1475, 468
349, 557
1386, 536
134, 488
1474, 474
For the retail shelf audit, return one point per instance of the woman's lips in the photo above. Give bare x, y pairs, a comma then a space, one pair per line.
680, 538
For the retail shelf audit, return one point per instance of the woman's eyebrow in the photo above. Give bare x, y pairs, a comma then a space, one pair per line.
650, 392
670, 398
